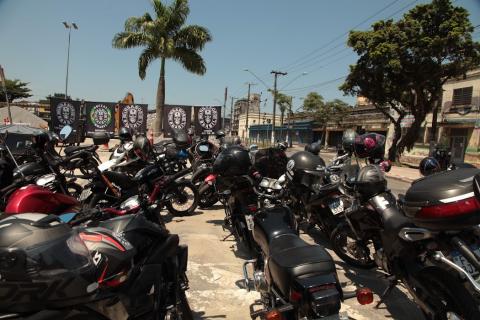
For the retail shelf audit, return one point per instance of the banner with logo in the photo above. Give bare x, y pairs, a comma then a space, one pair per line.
134, 117
176, 117
100, 117
207, 120
64, 112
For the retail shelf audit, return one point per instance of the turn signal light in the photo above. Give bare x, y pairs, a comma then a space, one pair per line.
364, 296
295, 296
273, 315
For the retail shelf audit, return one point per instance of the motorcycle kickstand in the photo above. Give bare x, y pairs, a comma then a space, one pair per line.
386, 293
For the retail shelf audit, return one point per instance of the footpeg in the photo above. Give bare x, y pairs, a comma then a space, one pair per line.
246, 279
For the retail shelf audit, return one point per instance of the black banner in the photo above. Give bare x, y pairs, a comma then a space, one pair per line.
134, 117
208, 119
100, 117
176, 117
64, 112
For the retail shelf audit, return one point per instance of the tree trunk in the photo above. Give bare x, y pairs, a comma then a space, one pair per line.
281, 118
397, 134
160, 103
408, 140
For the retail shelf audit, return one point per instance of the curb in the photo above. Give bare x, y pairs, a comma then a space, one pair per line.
401, 178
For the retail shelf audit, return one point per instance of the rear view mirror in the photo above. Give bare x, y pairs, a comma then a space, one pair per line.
65, 132
100, 138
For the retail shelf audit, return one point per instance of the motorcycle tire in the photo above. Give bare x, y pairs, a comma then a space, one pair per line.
184, 307
179, 199
207, 196
74, 189
449, 296
338, 238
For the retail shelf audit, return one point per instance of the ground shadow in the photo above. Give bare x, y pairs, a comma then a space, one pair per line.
200, 315
317, 235
214, 207
168, 217
398, 303
217, 222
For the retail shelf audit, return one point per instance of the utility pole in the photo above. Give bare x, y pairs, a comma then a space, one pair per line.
433, 137
225, 108
248, 108
275, 73
3, 80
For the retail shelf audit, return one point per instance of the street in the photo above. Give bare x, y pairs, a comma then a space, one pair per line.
215, 271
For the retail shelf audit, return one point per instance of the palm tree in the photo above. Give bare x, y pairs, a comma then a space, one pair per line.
164, 37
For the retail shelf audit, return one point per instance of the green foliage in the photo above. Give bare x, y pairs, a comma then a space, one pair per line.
404, 64
322, 112
16, 89
165, 36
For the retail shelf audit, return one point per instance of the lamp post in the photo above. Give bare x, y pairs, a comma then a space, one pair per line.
69, 26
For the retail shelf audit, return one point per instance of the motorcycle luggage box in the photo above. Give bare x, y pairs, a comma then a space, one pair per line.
271, 223
444, 201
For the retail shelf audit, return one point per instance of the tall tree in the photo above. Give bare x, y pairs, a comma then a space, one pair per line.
16, 89
322, 112
165, 36
403, 65
284, 103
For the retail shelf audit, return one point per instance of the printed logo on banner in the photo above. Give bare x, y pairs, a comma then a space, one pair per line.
208, 117
177, 118
132, 117
101, 116
65, 113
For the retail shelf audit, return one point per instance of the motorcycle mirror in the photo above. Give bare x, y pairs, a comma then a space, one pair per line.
65, 132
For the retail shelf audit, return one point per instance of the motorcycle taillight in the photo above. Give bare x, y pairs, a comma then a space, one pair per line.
449, 210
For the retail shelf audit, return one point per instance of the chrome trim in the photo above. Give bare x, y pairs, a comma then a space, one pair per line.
414, 234
246, 279
438, 256
457, 198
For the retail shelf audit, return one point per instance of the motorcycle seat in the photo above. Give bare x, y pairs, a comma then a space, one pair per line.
72, 149
291, 257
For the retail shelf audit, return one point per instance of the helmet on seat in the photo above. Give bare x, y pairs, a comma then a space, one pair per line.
233, 161
305, 168
219, 134
348, 140
125, 134
429, 165
142, 147
314, 148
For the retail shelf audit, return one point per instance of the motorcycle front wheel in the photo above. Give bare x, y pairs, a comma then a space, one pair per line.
184, 199
354, 252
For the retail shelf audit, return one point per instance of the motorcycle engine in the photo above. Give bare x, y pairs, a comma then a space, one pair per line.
381, 260
259, 282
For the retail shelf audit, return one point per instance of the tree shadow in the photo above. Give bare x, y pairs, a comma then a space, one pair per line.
317, 235
217, 222
214, 207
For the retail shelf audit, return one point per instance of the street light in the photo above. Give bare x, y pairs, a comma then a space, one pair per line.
69, 27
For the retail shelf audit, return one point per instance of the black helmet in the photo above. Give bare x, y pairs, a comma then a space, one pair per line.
125, 134
219, 134
348, 140
181, 139
429, 165
371, 181
142, 147
40, 139
237, 140
305, 168
314, 148
233, 161
38, 252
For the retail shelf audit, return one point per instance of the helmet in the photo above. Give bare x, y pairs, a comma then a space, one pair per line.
37, 251
348, 140
237, 140
371, 145
429, 165
40, 139
282, 145
305, 168
142, 147
181, 139
233, 161
53, 137
371, 181
219, 134
124, 134
313, 148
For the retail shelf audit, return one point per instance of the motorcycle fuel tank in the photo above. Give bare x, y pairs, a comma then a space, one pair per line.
36, 199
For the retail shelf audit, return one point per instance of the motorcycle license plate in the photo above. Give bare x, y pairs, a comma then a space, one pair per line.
249, 220
336, 206
463, 263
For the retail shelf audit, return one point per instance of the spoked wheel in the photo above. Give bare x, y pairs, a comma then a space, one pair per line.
355, 253
182, 310
89, 167
184, 199
448, 297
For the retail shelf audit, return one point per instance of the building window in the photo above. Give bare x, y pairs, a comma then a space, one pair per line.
462, 96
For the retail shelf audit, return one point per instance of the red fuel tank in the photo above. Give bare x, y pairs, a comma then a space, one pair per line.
36, 199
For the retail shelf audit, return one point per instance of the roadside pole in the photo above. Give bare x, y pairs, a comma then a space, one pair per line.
275, 73
4, 85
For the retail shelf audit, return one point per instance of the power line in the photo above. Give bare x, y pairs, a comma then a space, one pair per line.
340, 36
317, 84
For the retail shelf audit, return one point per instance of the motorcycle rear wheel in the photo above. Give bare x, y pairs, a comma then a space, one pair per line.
339, 240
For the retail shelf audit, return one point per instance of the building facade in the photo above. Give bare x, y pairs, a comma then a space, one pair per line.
240, 108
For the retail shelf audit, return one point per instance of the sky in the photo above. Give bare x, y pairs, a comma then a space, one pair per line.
297, 37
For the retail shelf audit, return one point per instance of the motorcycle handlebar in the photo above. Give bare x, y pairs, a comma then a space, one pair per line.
264, 195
